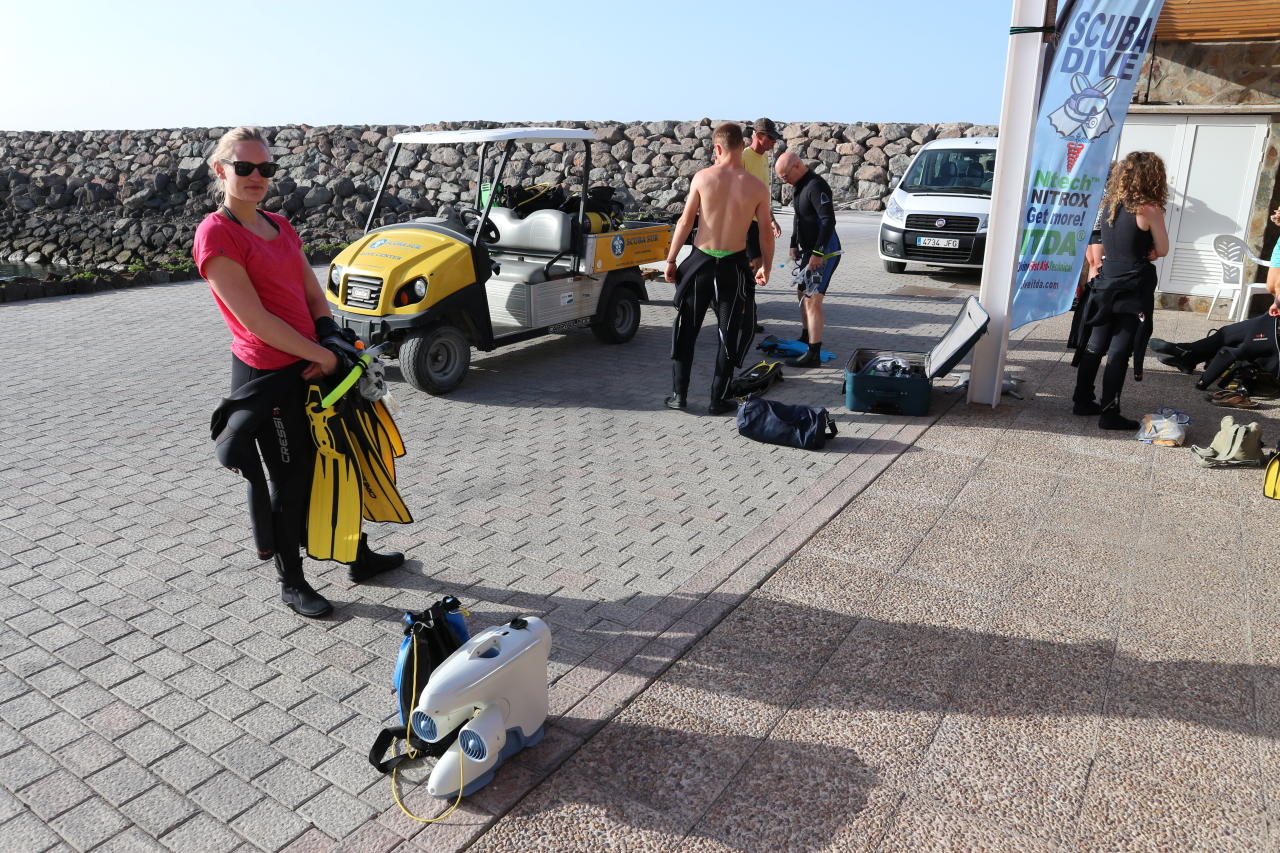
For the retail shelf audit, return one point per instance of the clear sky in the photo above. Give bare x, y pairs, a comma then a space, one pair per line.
74, 64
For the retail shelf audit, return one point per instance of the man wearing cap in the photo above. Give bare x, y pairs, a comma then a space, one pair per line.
755, 159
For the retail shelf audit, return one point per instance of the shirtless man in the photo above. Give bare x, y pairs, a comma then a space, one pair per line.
724, 198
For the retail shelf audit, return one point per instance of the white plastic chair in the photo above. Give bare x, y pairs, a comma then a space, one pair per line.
1232, 252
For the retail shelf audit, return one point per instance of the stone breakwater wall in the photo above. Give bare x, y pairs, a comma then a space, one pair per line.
115, 200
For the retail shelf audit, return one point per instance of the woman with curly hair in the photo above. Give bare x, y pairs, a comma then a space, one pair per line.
1118, 316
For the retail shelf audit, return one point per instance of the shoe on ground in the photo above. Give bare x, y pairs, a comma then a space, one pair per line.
369, 563
305, 601
1112, 419
677, 401
809, 359
721, 407
1088, 408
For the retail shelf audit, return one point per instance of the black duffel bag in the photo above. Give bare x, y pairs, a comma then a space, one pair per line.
805, 427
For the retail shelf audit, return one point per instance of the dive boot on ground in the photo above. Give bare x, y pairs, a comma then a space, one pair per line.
370, 563
1112, 419
812, 358
1175, 356
297, 594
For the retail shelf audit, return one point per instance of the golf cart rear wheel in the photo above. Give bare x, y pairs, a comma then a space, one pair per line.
618, 319
894, 267
435, 360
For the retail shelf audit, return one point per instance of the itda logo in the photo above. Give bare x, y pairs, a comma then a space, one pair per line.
617, 245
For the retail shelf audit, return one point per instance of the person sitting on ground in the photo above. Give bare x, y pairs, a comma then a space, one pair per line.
723, 198
1252, 341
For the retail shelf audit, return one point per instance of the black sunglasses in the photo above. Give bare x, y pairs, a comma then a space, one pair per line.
244, 168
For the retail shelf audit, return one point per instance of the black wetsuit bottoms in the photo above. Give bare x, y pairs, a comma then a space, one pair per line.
1253, 340
264, 423
727, 286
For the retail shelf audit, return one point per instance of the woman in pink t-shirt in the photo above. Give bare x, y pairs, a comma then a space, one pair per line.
276, 313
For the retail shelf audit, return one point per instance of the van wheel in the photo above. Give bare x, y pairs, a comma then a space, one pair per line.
435, 360
894, 267
618, 319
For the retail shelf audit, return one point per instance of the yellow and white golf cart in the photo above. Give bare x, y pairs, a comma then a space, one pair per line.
486, 276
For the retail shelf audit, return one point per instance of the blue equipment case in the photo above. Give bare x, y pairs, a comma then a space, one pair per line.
909, 395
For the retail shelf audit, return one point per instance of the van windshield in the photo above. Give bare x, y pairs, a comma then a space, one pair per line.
962, 171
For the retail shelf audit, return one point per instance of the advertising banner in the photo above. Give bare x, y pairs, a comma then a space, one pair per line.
1089, 82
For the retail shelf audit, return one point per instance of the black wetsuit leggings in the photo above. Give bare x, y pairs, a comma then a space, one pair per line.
1253, 340
278, 498
1115, 338
727, 287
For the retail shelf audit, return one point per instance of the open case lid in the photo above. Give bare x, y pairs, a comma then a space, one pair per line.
959, 339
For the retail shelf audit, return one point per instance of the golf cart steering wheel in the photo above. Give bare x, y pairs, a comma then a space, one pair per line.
470, 217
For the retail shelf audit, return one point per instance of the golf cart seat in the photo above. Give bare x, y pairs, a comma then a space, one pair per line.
534, 248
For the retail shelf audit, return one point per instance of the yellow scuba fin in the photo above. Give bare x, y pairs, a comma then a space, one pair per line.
388, 423
372, 451
1271, 480
333, 515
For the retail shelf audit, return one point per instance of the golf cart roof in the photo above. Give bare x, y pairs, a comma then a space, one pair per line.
497, 134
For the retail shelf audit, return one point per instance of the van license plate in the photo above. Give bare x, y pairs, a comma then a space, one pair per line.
938, 242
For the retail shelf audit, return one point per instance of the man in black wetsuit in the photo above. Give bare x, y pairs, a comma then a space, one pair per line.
1253, 341
815, 246
723, 198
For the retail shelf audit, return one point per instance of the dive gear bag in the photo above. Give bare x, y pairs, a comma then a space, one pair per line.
1235, 445
429, 638
756, 380
771, 422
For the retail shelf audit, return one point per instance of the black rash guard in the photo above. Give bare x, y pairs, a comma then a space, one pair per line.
815, 223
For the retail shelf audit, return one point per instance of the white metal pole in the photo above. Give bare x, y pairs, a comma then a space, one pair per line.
1008, 192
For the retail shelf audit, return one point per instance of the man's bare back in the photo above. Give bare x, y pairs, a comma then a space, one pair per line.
729, 198
724, 198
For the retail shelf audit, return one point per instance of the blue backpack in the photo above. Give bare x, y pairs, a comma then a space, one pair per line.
429, 638
771, 422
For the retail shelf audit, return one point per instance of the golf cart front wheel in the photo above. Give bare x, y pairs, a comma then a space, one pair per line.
618, 318
435, 360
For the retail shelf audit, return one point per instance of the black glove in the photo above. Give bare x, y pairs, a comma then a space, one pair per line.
341, 342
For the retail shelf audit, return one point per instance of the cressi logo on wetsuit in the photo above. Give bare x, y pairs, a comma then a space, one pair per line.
282, 436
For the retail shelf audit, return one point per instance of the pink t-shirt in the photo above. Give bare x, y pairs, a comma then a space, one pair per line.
274, 267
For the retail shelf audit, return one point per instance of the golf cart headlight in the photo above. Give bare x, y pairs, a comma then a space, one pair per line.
420, 287
894, 211
335, 276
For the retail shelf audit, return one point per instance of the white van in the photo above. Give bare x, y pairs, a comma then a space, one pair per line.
937, 214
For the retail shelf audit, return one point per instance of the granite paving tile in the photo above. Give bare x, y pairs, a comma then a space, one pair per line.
1171, 819
1029, 772
922, 826
818, 801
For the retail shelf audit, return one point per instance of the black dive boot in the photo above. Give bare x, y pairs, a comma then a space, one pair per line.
297, 594
812, 358
679, 398
1082, 401
804, 335
720, 403
1174, 355
370, 563
1112, 419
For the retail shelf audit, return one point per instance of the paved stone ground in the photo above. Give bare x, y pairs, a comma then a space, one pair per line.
154, 693
1025, 634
